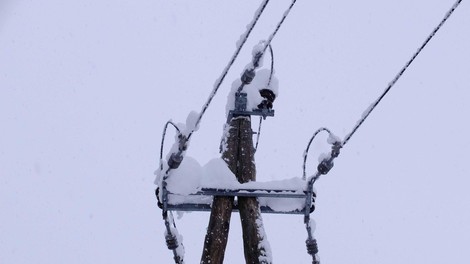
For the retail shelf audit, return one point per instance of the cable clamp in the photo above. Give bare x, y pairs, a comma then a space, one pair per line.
177, 157
312, 246
327, 163
171, 241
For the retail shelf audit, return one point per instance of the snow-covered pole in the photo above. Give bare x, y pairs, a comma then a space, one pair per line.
238, 153
256, 246
216, 237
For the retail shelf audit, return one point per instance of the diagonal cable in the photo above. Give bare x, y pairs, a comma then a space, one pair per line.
240, 45
400, 73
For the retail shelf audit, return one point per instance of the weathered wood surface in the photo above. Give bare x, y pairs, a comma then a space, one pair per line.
250, 214
238, 153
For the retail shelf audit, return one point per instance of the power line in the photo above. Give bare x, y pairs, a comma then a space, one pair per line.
230, 63
400, 73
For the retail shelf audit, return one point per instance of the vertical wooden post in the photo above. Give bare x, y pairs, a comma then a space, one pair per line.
215, 241
217, 231
250, 215
239, 155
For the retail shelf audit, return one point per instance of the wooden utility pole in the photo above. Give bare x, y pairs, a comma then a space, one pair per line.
239, 156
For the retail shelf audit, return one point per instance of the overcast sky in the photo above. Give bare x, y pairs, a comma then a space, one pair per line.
86, 87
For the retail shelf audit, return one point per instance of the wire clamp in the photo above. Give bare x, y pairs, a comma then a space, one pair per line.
327, 163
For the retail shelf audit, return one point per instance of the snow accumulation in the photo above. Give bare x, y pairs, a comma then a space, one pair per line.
257, 49
243, 36
180, 251
264, 246
186, 178
185, 129
324, 156
261, 81
332, 139
191, 123
218, 175
191, 177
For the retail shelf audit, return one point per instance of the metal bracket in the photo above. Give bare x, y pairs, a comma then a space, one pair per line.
240, 108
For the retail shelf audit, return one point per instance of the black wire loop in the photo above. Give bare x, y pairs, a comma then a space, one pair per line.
163, 139
304, 167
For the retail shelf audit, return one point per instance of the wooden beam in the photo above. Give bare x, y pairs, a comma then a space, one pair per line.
254, 240
238, 153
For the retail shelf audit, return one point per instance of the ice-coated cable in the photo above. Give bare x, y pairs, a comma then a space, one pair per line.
240, 45
400, 73
379, 99
257, 57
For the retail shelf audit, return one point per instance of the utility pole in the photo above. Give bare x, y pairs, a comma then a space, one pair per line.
239, 156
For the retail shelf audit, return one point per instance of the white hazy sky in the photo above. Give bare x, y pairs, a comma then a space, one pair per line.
86, 86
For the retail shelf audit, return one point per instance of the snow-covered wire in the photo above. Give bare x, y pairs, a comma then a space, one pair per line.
400, 73
240, 44
260, 53
326, 164
279, 24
